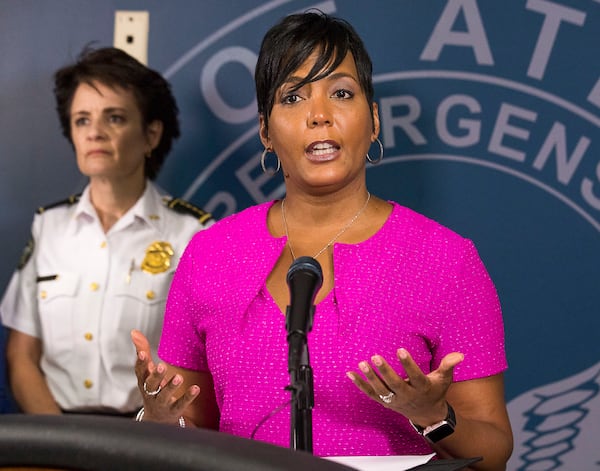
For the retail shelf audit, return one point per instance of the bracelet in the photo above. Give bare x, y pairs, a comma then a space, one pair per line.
140, 415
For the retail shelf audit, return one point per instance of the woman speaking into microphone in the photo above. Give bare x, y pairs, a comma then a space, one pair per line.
407, 344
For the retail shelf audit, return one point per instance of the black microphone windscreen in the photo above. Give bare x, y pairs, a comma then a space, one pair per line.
305, 265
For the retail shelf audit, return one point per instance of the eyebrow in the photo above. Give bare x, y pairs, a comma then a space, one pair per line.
115, 108
112, 109
294, 79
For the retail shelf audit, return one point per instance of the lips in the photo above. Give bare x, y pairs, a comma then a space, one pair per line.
322, 150
94, 152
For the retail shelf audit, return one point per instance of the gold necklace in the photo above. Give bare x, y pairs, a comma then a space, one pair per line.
342, 230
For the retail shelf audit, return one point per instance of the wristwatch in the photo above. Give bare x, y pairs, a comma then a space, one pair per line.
436, 432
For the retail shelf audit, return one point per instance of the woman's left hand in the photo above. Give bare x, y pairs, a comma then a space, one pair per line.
420, 397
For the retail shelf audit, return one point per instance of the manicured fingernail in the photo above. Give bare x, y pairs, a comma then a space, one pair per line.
160, 368
402, 354
364, 366
377, 360
177, 380
142, 356
351, 376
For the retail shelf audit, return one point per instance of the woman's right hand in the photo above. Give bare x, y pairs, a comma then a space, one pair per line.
160, 389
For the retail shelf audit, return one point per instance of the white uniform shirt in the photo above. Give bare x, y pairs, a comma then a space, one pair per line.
84, 290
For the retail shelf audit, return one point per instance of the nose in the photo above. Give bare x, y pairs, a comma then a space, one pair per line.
96, 130
320, 112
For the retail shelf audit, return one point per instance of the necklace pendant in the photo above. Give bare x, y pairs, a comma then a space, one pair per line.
330, 243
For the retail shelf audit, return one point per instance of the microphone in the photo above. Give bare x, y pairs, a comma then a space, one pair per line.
304, 279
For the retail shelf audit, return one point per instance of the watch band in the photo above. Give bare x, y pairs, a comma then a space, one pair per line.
440, 430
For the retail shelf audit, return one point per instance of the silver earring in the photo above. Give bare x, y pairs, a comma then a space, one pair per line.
270, 171
376, 161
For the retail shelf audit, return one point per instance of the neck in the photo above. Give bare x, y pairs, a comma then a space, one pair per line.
331, 209
112, 200
347, 225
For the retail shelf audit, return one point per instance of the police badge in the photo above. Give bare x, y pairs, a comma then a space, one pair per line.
158, 257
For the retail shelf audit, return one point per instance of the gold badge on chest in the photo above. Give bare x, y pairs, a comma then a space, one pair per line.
158, 257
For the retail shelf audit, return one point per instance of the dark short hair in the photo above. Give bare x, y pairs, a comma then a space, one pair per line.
288, 44
115, 68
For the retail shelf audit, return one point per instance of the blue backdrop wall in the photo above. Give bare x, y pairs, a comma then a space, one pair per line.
491, 125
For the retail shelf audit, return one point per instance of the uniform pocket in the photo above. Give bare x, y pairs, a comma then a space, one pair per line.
143, 302
51, 287
145, 288
57, 295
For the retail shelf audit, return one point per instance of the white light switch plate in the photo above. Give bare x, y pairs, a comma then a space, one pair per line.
131, 33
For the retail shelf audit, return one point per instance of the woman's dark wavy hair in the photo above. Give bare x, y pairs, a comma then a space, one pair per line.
290, 42
115, 68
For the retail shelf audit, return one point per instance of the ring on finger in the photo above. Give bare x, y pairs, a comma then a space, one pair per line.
387, 398
152, 393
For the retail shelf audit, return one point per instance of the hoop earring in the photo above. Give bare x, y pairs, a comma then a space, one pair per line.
376, 161
270, 172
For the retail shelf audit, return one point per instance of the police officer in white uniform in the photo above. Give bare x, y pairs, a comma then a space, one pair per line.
100, 264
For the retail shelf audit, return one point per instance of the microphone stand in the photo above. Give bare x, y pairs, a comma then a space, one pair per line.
303, 398
304, 279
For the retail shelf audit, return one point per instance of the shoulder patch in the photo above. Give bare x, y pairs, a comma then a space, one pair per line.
26, 254
68, 202
185, 207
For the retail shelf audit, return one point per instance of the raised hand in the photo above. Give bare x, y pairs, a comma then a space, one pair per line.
420, 397
161, 390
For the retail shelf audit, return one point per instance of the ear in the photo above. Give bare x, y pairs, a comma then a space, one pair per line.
153, 133
264, 132
376, 123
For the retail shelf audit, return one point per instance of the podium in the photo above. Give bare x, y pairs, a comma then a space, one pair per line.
98, 443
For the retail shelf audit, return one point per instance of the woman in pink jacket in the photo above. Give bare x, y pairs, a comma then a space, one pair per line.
407, 345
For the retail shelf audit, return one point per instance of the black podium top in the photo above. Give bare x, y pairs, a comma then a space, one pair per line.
99, 443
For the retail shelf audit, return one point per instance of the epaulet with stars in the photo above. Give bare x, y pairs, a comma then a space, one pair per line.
185, 207
66, 202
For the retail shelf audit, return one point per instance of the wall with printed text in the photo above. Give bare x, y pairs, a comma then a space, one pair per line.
490, 117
